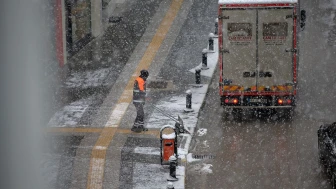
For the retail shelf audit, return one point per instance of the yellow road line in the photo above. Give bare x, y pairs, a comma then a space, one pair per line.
149, 132
97, 162
155, 132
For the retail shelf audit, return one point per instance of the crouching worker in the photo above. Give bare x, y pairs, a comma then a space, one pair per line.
139, 96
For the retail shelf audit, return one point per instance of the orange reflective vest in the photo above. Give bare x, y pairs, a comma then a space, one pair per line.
139, 90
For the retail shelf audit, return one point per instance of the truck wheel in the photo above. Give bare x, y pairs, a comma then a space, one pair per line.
237, 114
228, 114
333, 180
289, 114
321, 158
329, 171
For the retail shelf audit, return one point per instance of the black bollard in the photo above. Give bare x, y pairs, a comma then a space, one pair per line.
188, 99
216, 26
211, 42
172, 168
188, 104
204, 59
198, 75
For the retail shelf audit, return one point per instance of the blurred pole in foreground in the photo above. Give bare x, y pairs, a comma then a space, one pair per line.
23, 49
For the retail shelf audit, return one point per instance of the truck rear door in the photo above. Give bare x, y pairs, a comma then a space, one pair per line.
239, 48
257, 48
275, 47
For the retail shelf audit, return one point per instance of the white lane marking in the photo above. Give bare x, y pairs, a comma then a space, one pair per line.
147, 150
100, 147
117, 114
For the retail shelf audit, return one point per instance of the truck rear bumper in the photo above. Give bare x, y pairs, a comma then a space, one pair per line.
258, 102
258, 107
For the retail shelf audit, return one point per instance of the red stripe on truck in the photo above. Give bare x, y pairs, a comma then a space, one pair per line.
220, 47
295, 47
256, 5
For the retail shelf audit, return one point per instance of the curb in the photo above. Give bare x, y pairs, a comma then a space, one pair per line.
186, 138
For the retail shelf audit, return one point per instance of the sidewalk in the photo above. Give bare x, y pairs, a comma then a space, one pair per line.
174, 104
96, 67
133, 160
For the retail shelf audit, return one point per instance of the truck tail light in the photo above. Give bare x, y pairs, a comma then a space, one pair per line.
280, 101
284, 101
231, 101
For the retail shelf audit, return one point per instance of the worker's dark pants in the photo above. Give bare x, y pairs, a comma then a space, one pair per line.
139, 120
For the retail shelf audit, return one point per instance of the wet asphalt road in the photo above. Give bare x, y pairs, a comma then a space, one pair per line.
254, 153
260, 153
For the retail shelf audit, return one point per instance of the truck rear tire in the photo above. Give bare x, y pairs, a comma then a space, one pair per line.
289, 114
237, 114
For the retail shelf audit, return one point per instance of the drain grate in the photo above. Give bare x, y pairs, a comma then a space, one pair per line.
157, 84
203, 156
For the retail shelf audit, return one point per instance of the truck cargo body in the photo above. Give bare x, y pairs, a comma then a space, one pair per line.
258, 53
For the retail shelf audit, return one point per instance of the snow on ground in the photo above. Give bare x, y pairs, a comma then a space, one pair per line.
149, 176
206, 168
211, 63
71, 114
175, 106
199, 167
155, 176
202, 131
145, 175
147, 150
182, 151
117, 114
190, 159
90, 78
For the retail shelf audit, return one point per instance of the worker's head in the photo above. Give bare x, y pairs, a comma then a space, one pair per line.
144, 74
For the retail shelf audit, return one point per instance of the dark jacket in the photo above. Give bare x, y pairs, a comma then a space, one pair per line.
139, 90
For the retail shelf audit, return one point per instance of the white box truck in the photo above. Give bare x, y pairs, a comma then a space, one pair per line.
258, 54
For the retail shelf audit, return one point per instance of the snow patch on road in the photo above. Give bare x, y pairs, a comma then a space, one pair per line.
202, 168
202, 131
90, 78
147, 150
206, 168
190, 159
71, 114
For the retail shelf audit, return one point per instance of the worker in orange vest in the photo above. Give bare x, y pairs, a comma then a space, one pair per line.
139, 96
